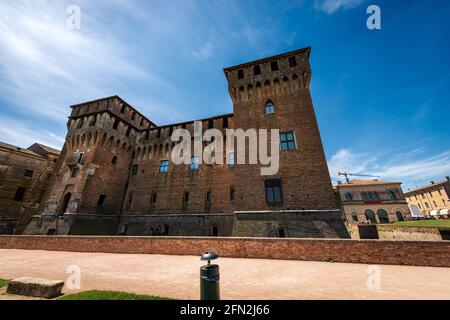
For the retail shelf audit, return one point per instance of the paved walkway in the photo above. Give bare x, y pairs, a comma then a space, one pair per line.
178, 276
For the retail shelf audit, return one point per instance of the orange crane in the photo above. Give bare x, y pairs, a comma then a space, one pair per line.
347, 174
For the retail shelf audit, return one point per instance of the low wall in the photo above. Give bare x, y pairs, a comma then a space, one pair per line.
393, 232
416, 253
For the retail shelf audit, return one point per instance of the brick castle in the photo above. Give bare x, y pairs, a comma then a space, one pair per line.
114, 174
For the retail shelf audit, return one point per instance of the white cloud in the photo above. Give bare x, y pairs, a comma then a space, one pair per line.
413, 168
23, 135
45, 66
204, 52
332, 6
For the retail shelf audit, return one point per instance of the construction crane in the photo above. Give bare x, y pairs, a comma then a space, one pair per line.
347, 174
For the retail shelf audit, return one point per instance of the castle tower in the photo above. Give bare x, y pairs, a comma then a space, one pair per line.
91, 175
273, 93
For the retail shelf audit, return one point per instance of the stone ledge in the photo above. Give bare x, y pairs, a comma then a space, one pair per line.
35, 287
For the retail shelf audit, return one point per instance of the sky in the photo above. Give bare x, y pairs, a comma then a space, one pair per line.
381, 96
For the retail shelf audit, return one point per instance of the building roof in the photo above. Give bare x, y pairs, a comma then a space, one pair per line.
268, 59
18, 149
48, 149
429, 186
365, 183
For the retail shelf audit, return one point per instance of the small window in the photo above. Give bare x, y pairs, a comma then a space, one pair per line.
101, 202
158, 134
80, 124
114, 160
93, 121
134, 169
20, 193
241, 74
287, 141
225, 122
215, 231
274, 66
186, 197
273, 191
128, 131
28, 173
269, 108
292, 62
195, 164
354, 217
257, 70
209, 196
392, 195
133, 116
164, 166
210, 123
154, 197
80, 158
281, 233
348, 196
122, 110
74, 172
232, 194
231, 160
116, 124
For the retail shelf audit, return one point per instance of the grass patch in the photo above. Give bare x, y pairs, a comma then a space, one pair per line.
108, 295
3, 283
424, 223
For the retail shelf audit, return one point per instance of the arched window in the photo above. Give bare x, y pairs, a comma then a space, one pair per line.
399, 216
370, 216
383, 216
349, 196
270, 107
114, 160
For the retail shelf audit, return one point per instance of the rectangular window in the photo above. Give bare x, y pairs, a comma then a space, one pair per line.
210, 124
80, 158
20, 193
292, 62
41, 196
225, 123
134, 169
195, 165
116, 124
273, 191
101, 202
287, 141
231, 159
232, 194
209, 196
257, 70
186, 197
274, 66
241, 74
153, 198
74, 172
164, 166
28, 173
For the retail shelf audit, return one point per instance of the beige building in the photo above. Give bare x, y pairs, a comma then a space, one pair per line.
432, 199
373, 201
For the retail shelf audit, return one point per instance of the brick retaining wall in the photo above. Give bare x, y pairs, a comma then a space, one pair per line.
416, 253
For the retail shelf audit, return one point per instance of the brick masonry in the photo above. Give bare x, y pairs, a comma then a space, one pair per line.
415, 253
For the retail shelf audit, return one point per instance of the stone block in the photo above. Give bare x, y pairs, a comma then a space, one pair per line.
34, 287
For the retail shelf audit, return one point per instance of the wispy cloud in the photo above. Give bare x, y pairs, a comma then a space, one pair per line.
23, 135
332, 6
413, 168
40, 55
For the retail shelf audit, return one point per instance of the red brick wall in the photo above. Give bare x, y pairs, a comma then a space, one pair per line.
417, 253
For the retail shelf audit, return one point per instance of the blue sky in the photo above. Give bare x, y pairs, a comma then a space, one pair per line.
381, 96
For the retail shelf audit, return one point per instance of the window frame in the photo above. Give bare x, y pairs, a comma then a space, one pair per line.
269, 106
288, 142
194, 165
272, 185
164, 166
